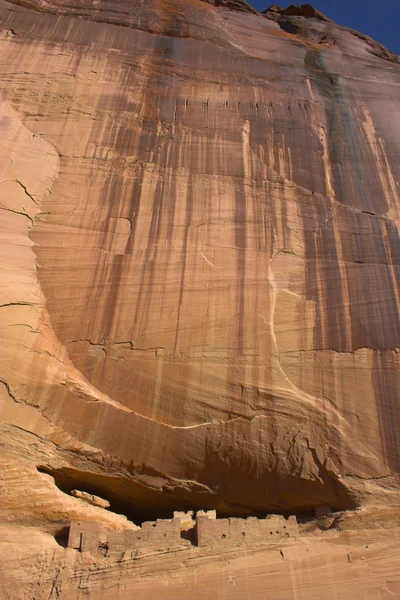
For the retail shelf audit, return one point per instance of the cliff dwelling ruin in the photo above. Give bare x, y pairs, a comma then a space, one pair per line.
180, 532
200, 302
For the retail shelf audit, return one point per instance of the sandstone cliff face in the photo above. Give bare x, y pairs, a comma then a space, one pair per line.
200, 262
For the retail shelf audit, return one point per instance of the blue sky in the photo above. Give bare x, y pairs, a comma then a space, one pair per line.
379, 20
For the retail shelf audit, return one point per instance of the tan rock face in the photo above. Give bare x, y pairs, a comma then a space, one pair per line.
200, 252
90, 499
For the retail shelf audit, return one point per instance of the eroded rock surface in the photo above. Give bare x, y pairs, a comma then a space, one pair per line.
90, 499
200, 266
297, 10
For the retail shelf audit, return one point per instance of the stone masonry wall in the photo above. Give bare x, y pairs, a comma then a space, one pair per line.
166, 534
235, 531
159, 535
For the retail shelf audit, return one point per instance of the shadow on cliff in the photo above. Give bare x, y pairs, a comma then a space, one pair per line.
140, 503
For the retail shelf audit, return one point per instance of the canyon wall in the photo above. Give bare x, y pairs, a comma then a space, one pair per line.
200, 254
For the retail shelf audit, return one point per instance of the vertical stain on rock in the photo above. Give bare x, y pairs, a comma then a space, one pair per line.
217, 324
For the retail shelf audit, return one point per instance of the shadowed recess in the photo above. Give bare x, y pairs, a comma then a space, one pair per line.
140, 503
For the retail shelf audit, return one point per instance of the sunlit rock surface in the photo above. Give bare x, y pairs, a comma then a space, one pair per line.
200, 266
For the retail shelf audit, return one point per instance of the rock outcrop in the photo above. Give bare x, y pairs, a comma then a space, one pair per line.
239, 5
200, 302
90, 499
296, 10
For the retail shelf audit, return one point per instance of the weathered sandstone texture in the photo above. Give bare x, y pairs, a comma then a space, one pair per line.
90, 499
200, 299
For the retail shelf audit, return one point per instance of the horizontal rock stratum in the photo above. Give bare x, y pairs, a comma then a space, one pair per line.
200, 300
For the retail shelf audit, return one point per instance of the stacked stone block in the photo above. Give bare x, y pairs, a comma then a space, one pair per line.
166, 534
235, 531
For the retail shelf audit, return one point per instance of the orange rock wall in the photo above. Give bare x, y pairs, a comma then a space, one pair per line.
199, 258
